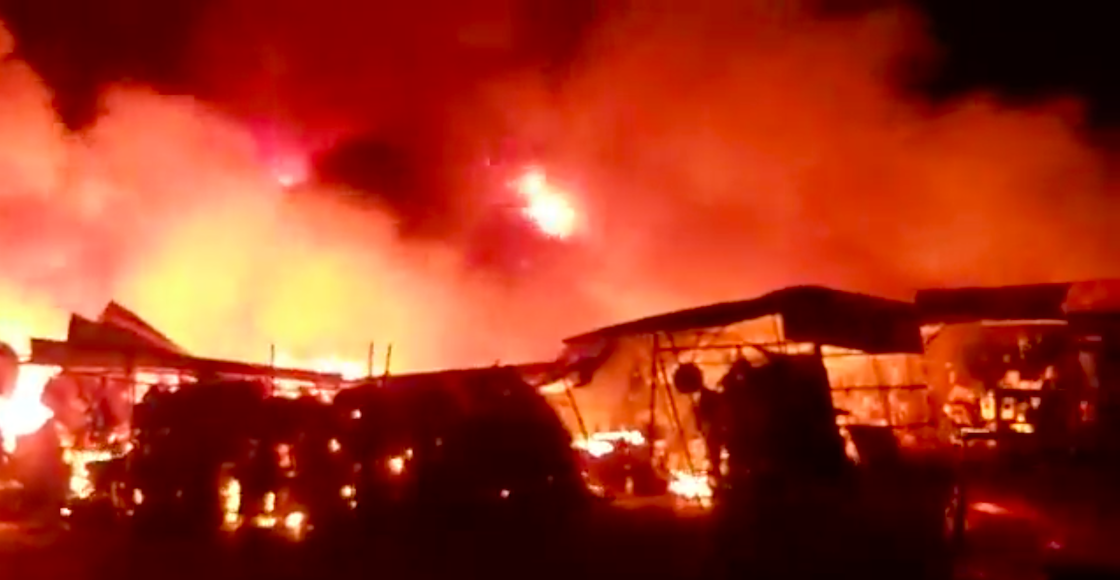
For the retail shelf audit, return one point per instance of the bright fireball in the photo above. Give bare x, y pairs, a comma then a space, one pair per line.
545, 205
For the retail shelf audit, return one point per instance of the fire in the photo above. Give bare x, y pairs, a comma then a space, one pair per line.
22, 412
80, 485
349, 369
692, 486
686, 485
230, 493
603, 443
546, 206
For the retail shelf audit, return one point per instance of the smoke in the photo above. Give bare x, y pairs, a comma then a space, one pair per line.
731, 150
714, 155
165, 205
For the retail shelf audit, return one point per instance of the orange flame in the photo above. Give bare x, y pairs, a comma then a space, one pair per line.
22, 411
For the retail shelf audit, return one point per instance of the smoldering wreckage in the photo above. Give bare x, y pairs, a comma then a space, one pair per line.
691, 409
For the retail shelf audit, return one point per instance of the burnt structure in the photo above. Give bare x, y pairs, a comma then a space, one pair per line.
621, 377
1028, 365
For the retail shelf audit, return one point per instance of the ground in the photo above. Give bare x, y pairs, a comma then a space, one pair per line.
650, 542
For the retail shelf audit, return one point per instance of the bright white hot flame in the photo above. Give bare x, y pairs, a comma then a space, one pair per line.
23, 412
603, 443
690, 486
547, 206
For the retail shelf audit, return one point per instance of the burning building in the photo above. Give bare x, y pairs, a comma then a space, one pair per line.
1018, 360
82, 394
173, 439
635, 382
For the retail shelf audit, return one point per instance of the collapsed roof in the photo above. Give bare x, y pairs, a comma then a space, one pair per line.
809, 314
120, 340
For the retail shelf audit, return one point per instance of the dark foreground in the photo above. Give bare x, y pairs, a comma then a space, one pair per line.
649, 543
646, 543
639, 542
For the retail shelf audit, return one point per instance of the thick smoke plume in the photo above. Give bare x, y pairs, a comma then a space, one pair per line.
165, 205
714, 155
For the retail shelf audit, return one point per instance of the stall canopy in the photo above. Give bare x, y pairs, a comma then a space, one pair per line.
811, 314
1054, 301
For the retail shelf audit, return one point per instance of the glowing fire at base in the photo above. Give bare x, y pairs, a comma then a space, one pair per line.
230, 494
692, 486
81, 487
686, 485
600, 444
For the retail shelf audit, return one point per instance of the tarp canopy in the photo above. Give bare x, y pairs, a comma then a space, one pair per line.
1053, 301
810, 314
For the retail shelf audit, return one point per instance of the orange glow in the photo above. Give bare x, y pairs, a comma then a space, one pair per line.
718, 162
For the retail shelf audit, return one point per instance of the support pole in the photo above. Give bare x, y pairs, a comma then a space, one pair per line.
652, 391
388, 359
663, 378
575, 409
369, 362
272, 367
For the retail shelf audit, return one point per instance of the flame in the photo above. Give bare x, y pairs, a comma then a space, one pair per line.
692, 486
294, 522
23, 413
230, 493
604, 442
546, 206
81, 487
348, 369
396, 464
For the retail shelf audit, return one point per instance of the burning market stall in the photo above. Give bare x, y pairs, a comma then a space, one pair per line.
1021, 360
618, 391
108, 368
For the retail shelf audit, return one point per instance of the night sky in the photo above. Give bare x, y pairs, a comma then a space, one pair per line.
1021, 51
